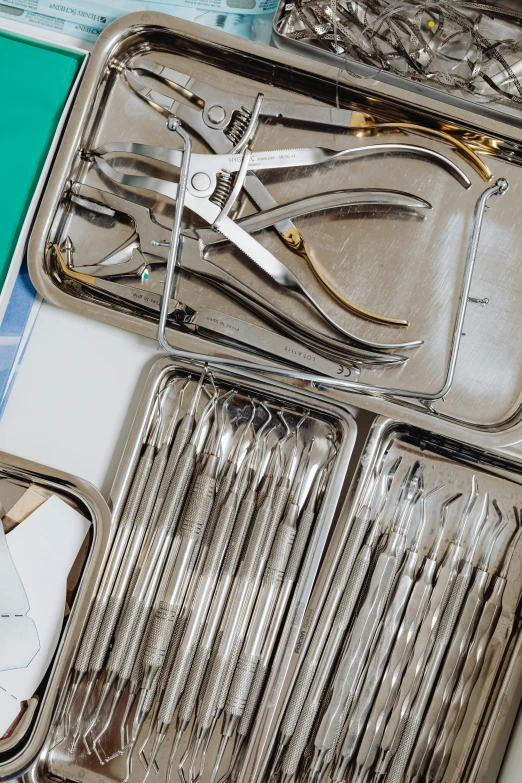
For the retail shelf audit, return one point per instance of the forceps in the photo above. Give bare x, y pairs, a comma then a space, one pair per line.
225, 124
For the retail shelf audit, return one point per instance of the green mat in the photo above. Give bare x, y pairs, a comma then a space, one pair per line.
35, 80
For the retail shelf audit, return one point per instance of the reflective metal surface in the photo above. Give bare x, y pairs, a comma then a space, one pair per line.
409, 266
15, 757
483, 735
322, 419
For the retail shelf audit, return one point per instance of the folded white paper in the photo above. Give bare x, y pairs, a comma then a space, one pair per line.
42, 549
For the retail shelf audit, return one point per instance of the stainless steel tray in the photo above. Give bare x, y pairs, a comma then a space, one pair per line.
59, 761
90, 503
498, 28
452, 464
406, 268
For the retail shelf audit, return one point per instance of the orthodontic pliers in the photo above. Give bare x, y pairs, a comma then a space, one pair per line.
223, 121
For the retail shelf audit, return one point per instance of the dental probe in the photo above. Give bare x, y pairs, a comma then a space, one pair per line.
313, 654
365, 627
449, 620
379, 659
444, 581
402, 651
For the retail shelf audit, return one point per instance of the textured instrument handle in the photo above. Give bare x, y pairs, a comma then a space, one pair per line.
249, 658
110, 619
303, 533
254, 698
241, 683
198, 507
461, 696
196, 684
377, 665
303, 707
173, 505
127, 628
182, 666
160, 634
414, 721
279, 554
244, 517
90, 636
133, 647
100, 604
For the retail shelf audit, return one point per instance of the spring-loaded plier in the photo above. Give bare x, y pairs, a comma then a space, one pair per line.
223, 121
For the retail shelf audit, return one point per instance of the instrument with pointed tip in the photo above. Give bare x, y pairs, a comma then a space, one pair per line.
135, 614
402, 650
86, 659
427, 634
306, 520
235, 621
457, 650
379, 486
448, 623
381, 653
202, 600
261, 618
365, 627
471, 670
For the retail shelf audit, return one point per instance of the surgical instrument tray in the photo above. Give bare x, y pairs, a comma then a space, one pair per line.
373, 219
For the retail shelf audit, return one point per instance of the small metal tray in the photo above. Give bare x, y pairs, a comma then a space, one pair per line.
90, 503
407, 268
58, 761
452, 464
499, 28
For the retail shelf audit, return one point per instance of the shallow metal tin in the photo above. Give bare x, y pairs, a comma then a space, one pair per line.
59, 762
400, 267
89, 501
452, 464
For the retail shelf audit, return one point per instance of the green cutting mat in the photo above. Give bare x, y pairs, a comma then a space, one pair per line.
35, 80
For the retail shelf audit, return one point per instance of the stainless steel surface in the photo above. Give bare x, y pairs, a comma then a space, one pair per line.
321, 421
377, 247
16, 760
458, 469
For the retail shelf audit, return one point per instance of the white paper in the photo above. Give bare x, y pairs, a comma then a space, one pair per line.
43, 549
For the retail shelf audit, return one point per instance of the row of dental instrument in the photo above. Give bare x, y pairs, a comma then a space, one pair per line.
204, 560
397, 654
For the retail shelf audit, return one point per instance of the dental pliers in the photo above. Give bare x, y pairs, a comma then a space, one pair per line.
202, 187
226, 125
148, 245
